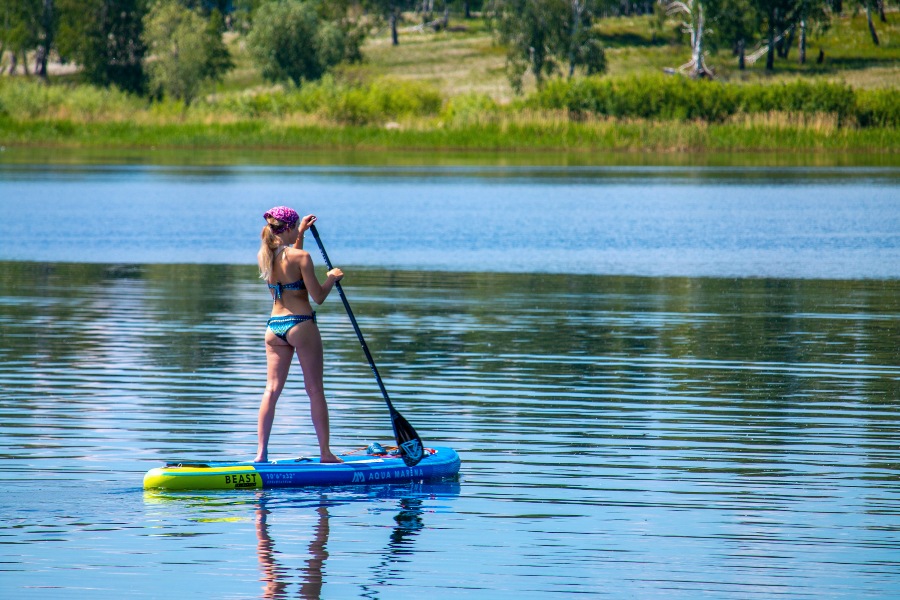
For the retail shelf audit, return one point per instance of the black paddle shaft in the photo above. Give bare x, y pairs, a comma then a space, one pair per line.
409, 442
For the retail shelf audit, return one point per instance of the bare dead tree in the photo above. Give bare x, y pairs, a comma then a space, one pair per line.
693, 23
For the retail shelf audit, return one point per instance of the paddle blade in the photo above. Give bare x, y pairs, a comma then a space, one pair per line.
411, 448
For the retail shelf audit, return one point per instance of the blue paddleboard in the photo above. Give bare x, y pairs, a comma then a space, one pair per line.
438, 462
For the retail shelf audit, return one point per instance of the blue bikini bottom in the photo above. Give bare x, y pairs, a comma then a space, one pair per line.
281, 325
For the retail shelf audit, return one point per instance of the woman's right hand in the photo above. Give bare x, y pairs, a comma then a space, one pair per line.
306, 222
335, 274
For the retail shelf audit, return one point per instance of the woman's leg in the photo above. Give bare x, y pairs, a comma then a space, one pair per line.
278, 363
308, 343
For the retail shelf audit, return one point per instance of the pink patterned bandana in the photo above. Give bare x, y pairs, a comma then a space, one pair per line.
286, 215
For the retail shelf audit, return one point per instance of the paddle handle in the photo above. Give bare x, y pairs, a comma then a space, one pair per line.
362, 341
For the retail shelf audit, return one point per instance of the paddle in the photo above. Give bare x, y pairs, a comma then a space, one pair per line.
411, 448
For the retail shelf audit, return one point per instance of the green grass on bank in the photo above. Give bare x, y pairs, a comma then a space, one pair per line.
523, 134
671, 98
408, 104
448, 91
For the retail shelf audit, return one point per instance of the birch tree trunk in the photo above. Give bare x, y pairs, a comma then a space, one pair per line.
577, 11
871, 24
697, 54
802, 48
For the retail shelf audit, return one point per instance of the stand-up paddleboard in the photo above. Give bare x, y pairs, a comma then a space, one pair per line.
437, 463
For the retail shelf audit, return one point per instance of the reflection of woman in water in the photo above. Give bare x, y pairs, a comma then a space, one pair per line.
265, 550
273, 574
276, 576
289, 271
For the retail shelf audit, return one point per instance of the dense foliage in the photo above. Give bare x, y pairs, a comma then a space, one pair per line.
168, 50
187, 50
294, 41
106, 39
662, 97
547, 37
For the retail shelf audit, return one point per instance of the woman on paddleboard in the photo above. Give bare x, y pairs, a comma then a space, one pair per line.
292, 327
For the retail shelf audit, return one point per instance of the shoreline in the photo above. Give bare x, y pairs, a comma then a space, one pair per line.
626, 139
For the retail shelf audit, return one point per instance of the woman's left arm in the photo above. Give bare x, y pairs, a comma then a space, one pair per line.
317, 291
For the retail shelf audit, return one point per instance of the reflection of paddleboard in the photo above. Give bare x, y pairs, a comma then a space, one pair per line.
355, 470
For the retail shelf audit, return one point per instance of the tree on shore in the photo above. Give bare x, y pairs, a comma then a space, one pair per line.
870, 6
737, 26
294, 41
775, 16
47, 23
585, 49
15, 36
104, 37
812, 15
29, 25
542, 35
693, 23
390, 11
783, 20
186, 51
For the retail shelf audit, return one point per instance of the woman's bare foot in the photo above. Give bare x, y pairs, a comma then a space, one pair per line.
261, 459
328, 457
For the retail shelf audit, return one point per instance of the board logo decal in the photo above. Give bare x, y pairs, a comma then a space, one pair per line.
413, 449
245, 480
359, 477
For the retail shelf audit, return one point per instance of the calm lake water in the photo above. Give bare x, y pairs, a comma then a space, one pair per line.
607, 219
678, 434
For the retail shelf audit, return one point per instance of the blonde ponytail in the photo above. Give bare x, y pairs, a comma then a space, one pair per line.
269, 243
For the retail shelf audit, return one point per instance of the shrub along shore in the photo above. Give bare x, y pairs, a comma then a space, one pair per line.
656, 113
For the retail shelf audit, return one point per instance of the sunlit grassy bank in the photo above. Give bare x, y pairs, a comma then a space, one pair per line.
519, 133
447, 91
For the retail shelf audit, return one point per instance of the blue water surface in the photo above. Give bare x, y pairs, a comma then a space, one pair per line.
827, 222
664, 382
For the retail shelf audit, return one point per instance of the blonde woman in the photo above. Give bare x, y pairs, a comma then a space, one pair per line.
292, 326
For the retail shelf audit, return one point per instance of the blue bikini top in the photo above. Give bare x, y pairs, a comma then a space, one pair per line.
278, 287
